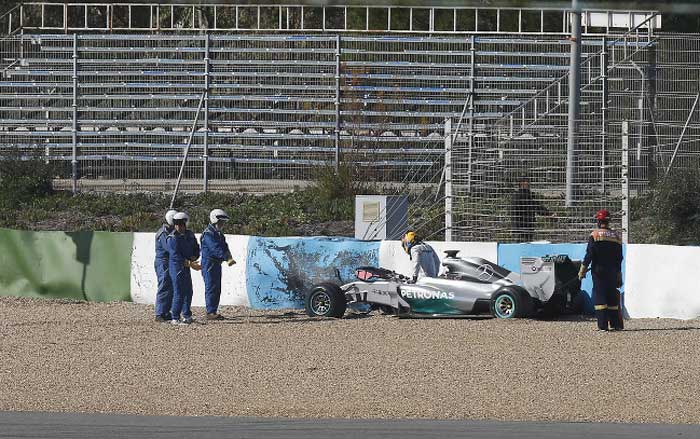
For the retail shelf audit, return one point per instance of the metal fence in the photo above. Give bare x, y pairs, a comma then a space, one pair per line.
638, 121
121, 108
276, 106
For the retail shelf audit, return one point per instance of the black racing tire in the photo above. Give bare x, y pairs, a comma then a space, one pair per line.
511, 303
325, 300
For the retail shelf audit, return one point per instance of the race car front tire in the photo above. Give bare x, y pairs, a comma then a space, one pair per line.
325, 300
510, 303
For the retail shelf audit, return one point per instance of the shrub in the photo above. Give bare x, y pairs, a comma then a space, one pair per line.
24, 178
670, 212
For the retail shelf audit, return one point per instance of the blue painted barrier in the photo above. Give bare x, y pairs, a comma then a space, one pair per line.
280, 271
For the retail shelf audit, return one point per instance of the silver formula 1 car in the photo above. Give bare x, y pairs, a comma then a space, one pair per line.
546, 286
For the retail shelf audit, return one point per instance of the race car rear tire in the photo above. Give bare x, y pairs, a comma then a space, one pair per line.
510, 303
325, 300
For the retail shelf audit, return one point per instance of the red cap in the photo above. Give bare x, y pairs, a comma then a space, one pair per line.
602, 215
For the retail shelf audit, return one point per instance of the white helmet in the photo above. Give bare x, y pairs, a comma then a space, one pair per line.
180, 216
169, 216
217, 215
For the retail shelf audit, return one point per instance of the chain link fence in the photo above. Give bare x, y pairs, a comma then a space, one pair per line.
277, 107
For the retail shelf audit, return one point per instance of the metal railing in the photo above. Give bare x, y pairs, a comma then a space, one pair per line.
156, 17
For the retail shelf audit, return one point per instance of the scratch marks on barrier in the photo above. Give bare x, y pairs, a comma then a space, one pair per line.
280, 271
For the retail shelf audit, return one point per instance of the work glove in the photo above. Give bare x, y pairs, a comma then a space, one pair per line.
195, 265
582, 272
230, 261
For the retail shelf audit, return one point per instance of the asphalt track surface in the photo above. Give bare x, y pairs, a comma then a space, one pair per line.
78, 426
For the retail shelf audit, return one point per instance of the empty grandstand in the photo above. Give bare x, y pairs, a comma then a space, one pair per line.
464, 100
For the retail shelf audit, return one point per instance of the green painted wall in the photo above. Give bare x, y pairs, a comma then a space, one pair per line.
93, 266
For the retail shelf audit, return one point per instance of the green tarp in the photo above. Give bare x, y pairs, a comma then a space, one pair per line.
93, 266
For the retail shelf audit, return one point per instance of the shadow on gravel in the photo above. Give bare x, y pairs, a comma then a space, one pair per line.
684, 328
287, 317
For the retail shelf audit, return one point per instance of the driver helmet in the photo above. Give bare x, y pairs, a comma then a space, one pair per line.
602, 216
169, 216
180, 218
217, 215
408, 241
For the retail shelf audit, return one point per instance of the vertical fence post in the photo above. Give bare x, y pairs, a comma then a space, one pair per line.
205, 155
604, 113
625, 182
74, 156
448, 179
472, 65
574, 97
337, 102
470, 132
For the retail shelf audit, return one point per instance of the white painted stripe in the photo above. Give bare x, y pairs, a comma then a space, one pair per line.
144, 282
393, 257
660, 281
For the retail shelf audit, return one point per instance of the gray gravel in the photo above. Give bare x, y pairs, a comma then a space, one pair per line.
113, 358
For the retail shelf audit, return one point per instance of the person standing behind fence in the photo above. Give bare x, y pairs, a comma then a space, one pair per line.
164, 294
604, 254
523, 210
214, 252
184, 252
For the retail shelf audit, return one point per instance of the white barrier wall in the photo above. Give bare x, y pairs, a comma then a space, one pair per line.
144, 282
393, 256
659, 279
662, 281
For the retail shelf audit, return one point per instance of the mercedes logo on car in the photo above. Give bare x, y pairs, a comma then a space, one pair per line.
484, 272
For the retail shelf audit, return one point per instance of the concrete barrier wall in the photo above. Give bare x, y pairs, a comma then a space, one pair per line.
661, 281
277, 272
144, 282
65, 265
281, 270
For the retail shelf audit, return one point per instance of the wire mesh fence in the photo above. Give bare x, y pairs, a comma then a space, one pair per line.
277, 107
637, 121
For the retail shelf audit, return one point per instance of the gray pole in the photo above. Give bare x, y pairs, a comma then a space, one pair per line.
604, 111
205, 156
472, 55
625, 182
74, 156
448, 180
187, 150
337, 102
574, 97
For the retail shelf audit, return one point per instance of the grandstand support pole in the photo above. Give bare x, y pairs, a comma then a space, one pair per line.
187, 150
74, 153
448, 179
470, 132
336, 161
625, 181
205, 155
604, 114
574, 98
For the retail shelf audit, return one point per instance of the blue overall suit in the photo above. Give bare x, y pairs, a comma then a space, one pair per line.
214, 252
164, 295
182, 247
604, 253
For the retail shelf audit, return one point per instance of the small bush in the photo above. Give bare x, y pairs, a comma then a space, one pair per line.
670, 212
24, 178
